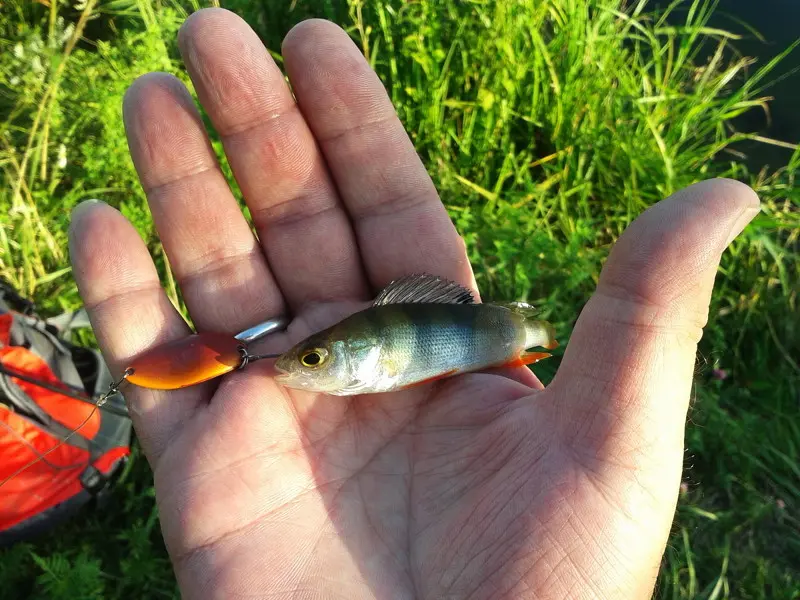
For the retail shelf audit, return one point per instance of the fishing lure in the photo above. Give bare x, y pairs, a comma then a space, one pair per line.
195, 359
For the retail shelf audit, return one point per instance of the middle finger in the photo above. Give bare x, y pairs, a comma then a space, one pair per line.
304, 229
217, 261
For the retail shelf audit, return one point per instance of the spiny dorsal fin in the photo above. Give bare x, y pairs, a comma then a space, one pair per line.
422, 288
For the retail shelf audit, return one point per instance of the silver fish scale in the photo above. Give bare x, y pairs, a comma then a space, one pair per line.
457, 338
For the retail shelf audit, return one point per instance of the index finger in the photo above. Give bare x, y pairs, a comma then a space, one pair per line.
401, 225
130, 313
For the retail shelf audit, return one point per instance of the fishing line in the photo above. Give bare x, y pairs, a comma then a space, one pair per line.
61, 388
112, 389
248, 358
40, 455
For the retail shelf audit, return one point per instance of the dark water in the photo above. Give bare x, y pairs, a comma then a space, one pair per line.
778, 23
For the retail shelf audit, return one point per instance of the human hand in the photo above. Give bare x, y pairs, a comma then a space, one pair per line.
480, 486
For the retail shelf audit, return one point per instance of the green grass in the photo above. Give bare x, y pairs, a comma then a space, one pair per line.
547, 126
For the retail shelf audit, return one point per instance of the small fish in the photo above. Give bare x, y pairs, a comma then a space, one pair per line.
419, 329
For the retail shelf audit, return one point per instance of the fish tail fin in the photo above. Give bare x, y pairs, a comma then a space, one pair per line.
537, 332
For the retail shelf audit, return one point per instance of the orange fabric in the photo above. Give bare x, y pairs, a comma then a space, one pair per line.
105, 462
6, 320
46, 482
67, 411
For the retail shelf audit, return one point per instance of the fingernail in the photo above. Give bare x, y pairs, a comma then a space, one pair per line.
87, 202
738, 226
81, 206
75, 213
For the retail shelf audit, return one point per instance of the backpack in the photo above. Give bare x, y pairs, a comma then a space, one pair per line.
54, 392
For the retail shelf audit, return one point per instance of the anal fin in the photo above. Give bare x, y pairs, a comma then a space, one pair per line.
527, 358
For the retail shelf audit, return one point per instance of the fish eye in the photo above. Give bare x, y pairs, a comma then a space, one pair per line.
313, 358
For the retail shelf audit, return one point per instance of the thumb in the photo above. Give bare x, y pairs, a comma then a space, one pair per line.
624, 385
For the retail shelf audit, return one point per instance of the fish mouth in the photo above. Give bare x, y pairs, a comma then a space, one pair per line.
283, 375
294, 381
288, 379
281, 366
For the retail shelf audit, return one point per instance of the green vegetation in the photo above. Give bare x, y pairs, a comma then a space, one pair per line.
547, 126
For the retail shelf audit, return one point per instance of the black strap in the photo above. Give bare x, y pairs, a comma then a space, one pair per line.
93, 480
11, 298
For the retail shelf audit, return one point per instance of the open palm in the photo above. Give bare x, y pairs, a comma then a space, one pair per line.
480, 486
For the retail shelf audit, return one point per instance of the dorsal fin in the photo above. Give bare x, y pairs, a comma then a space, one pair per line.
523, 308
422, 288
